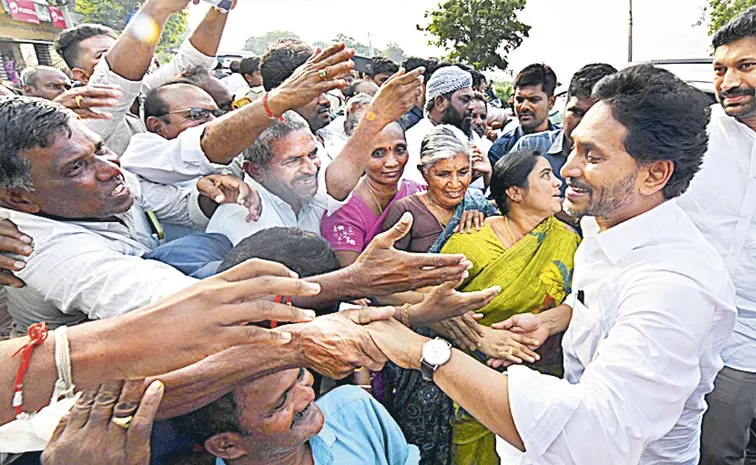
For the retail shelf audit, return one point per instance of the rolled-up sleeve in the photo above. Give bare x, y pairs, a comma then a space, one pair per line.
634, 389
187, 58
102, 75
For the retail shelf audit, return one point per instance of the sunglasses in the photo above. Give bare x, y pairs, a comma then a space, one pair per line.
197, 114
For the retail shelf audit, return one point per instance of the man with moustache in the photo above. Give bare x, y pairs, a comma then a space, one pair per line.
651, 308
722, 203
449, 100
533, 99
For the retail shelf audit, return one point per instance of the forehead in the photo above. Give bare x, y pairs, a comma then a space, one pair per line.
480, 107
259, 396
392, 133
51, 75
735, 51
466, 92
600, 128
64, 147
583, 103
97, 43
458, 161
540, 165
182, 96
297, 143
530, 91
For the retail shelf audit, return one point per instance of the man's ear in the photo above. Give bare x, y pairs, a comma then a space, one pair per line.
156, 126
254, 170
248, 78
19, 200
228, 446
28, 90
440, 103
655, 176
552, 101
80, 75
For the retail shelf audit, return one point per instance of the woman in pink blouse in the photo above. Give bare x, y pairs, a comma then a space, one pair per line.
354, 225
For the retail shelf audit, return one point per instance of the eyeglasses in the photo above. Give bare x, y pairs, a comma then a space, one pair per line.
197, 114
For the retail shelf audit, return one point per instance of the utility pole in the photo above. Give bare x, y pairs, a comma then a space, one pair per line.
630, 32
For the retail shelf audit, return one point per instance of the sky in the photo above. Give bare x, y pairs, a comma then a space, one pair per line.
566, 34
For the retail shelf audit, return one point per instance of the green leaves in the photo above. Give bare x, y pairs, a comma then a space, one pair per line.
722, 11
478, 32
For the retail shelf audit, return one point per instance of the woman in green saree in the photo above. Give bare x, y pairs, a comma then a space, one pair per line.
529, 253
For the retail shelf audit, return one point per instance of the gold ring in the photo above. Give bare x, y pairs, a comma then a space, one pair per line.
358, 369
509, 351
79, 98
323, 74
123, 422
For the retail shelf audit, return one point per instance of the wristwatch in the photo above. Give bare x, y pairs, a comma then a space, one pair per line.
436, 352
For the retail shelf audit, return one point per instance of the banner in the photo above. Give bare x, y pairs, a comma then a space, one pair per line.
56, 17
23, 10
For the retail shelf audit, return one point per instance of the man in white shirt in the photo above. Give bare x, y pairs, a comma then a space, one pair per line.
652, 303
721, 201
127, 59
449, 100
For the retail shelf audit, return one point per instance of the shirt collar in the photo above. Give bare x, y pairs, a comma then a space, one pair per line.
322, 446
618, 241
558, 146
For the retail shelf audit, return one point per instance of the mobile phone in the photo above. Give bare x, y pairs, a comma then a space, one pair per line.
363, 64
222, 4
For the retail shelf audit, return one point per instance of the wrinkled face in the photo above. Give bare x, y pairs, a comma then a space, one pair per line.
574, 111
50, 83
292, 172
531, 107
77, 177
735, 78
479, 117
389, 156
185, 103
601, 176
448, 180
90, 52
459, 110
278, 413
542, 196
317, 113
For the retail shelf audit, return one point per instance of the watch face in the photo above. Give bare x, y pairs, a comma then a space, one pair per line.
436, 352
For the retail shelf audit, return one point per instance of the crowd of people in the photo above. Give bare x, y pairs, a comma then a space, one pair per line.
295, 262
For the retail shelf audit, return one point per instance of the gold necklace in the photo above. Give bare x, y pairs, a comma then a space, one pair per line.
506, 223
375, 199
431, 204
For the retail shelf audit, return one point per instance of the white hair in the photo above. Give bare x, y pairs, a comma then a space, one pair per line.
443, 142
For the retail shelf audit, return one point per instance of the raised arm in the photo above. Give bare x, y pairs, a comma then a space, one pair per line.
228, 136
395, 98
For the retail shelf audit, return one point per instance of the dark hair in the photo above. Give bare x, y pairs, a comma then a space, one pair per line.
234, 66
477, 77
585, 79
430, 104
537, 74
434, 64
665, 118
67, 42
512, 171
27, 123
740, 27
411, 63
383, 65
281, 59
303, 252
249, 65
219, 416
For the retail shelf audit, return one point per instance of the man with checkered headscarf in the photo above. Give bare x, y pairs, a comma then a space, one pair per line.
448, 100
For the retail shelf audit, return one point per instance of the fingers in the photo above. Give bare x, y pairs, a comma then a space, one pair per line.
104, 403
471, 320
60, 428
141, 425
262, 310
519, 352
254, 204
79, 414
319, 57
525, 340
372, 358
209, 187
367, 315
265, 286
400, 229
479, 299
85, 113
439, 275
506, 324
253, 268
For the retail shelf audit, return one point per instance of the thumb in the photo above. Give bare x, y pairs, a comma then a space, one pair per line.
367, 315
398, 231
506, 324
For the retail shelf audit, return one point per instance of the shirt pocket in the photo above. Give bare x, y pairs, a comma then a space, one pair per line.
583, 336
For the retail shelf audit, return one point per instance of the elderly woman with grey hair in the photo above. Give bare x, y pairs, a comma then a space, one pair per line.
420, 408
447, 205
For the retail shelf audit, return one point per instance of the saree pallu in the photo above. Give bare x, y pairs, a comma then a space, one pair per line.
534, 275
421, 409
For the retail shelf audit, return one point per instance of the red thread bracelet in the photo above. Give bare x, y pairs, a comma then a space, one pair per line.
37, 333
270, 113
280, 299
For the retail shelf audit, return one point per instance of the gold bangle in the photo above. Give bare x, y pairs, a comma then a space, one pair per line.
405, 315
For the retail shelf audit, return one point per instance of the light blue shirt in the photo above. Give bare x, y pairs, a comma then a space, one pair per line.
358, 429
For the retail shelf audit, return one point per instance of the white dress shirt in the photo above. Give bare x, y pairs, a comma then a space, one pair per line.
82, 270
230, 219
721, 201
117, 131
652, 307
179, 161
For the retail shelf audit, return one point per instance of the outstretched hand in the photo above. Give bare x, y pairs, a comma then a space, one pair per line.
445, 301
225, 188
383, 270
397, 95
12, 241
